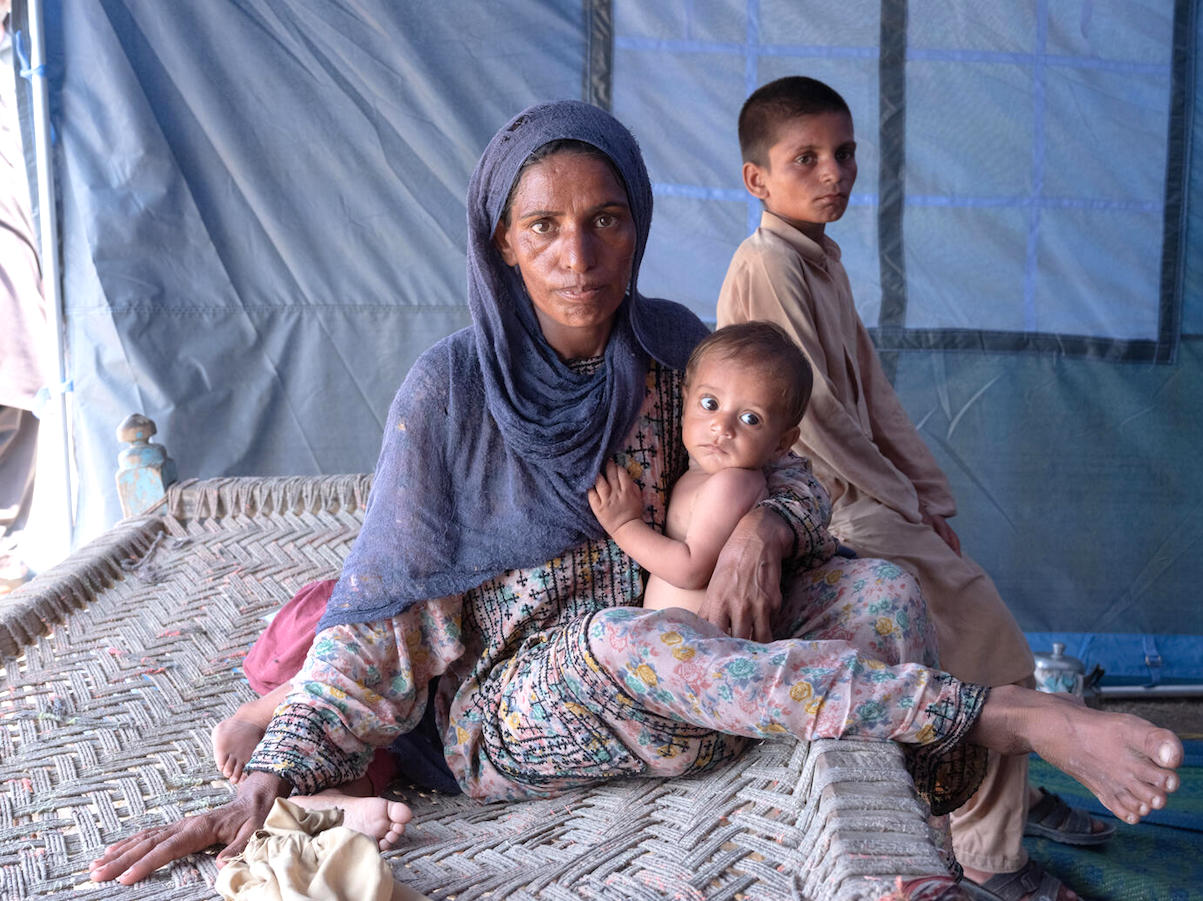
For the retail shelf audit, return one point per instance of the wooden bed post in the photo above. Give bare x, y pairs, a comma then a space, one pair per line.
143, 469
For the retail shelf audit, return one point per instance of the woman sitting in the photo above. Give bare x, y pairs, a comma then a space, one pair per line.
481, 575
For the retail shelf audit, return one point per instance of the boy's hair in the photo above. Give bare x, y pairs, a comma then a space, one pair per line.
776, 102
766, 346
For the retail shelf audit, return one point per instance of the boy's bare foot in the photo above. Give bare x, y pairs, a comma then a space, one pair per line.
1127, 762
379, 818
234, 742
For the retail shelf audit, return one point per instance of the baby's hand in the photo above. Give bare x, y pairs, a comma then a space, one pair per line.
615, 498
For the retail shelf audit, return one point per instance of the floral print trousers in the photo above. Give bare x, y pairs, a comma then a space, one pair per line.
629, 691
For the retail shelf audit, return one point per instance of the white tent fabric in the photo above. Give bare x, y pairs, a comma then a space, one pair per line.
261, 207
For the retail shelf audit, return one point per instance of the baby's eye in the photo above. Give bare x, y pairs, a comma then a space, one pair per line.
708, 403
845, 155
806, 159
749, 418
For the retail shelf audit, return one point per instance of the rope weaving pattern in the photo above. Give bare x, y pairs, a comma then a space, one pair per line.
116, 664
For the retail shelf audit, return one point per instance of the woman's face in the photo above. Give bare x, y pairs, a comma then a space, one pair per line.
571, 235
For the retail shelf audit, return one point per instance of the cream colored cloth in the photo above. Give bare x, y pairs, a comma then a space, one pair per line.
865, 449
308, 854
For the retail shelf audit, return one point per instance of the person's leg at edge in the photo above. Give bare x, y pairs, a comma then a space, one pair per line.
987, 830
18, 460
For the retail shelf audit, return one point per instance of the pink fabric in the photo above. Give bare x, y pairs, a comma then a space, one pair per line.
277, 655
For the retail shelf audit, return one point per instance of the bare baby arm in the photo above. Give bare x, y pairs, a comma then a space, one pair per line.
715, 507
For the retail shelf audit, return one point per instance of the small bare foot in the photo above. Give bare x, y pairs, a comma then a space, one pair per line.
234, 742
236, 737
1127, 762
379, 818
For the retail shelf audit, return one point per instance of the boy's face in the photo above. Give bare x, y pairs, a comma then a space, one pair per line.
810, 172
730, 418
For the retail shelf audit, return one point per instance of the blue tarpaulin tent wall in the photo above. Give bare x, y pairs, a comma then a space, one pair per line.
262, 224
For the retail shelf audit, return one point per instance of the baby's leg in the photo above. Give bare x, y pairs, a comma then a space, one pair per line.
235, 738
1128, 763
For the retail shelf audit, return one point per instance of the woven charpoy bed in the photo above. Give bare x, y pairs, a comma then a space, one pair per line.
118, 662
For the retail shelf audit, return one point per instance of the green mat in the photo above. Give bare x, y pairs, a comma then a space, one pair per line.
1161, 859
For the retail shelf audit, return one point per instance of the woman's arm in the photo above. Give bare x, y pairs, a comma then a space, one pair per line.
231, 825
745, 591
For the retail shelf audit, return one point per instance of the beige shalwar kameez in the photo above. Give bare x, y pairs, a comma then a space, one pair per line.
882, 479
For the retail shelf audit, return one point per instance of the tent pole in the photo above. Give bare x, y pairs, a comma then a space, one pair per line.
48, 238
1130, 692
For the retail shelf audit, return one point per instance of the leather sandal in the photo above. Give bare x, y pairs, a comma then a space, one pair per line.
1052, 818
1029, 880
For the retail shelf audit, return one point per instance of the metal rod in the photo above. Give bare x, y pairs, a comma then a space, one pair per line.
48, 238
1115, 692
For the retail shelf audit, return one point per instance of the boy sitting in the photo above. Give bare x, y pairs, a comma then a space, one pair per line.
746, 388
889, 497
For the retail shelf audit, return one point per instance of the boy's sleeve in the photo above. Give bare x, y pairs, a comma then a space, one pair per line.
895, 433
361, 686
769, 286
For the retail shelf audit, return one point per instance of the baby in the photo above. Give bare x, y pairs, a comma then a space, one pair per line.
746, 388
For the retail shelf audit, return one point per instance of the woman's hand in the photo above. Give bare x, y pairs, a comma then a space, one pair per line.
615, 498
745, 591
232, 825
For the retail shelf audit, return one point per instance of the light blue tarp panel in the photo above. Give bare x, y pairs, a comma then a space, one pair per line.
262, 214
262, 226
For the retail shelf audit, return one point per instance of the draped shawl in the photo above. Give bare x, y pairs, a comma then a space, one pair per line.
492, 441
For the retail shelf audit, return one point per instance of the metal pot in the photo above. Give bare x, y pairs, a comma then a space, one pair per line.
1058, 672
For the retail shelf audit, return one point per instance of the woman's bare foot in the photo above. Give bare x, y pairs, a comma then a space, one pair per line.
234, 742
1127, 762
379, 818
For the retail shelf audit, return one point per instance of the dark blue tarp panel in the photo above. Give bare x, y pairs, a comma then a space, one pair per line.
262, 219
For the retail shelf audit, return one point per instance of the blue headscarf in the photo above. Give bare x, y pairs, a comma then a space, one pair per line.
492, 441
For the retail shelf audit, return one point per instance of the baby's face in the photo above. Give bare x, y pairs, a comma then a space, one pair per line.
730, 419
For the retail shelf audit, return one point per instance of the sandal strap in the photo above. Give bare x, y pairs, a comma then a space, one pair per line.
1053, 812
1030, 879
